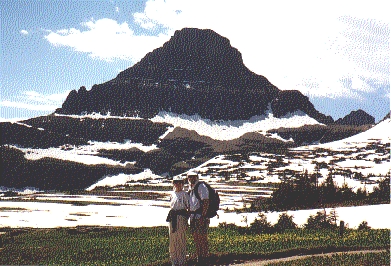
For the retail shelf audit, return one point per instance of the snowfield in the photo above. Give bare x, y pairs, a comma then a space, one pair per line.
238, 178
122, 179
228, 130
146, 213
95, 115
378, 133
85, 154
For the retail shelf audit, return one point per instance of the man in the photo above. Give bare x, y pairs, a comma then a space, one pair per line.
199, 222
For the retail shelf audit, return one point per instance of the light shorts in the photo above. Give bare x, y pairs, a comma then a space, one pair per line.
197, 225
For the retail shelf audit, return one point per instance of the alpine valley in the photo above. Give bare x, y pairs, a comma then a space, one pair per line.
189, 105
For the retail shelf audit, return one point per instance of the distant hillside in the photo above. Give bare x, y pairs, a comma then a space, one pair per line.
183, 149
311, 134
25, 135
73, 152
356, 118
54, 131
50, 173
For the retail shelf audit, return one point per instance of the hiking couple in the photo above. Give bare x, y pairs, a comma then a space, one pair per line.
193, 205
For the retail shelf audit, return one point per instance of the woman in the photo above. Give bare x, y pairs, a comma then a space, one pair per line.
177, 217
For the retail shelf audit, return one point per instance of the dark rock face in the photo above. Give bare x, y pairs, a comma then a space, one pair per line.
356, 118
196, 71
51, 174
292, 100
24, 136
203, 56
319, 133
110, 129
55, 131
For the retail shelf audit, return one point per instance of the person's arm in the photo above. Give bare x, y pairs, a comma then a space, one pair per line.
203, 192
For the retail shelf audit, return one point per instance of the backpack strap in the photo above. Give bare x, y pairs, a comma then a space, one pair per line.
195, 190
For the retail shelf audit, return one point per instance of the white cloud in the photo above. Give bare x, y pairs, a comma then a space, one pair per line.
51, 98
28, 106
106, 39
310, 46
34, 101
24, 32
304, 45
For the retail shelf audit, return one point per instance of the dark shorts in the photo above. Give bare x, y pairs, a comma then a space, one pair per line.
199, 225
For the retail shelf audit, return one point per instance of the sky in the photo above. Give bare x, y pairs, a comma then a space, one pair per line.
335, 52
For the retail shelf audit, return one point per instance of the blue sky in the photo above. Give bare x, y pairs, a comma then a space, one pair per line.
336, 53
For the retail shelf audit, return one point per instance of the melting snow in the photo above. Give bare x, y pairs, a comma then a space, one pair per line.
122, 179
74, 155
50, 215
96, 145
85, 153
12, 120
22, 124
151, 213
99, 116
228, 130
380, 132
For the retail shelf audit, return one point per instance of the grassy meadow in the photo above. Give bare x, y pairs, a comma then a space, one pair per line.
149, 246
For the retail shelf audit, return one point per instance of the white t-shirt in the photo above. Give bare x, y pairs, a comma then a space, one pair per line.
180, 200
203, 192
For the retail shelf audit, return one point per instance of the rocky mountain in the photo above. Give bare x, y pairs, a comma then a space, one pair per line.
356, 118
195, 72
182, 104
310, 134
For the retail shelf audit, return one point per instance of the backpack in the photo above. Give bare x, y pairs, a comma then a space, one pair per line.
214, 199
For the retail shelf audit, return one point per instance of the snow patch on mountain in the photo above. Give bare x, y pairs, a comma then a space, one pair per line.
94, 115
74, 155
122, 179
23, 191
96, 145
85, 154
378, 133
232, 129
275, 136
11, 120
170, 129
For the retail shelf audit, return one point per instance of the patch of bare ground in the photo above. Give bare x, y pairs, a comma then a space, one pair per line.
300, 257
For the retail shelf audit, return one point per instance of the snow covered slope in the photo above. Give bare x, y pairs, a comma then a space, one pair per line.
228, 130
379, 133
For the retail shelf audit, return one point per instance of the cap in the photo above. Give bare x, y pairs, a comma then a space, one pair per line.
192, 174
178, 178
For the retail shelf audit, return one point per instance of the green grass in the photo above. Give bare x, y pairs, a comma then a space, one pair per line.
143, 246
105, 246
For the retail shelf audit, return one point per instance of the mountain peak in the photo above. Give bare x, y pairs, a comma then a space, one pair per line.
196, 72
195, 55
356, 118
